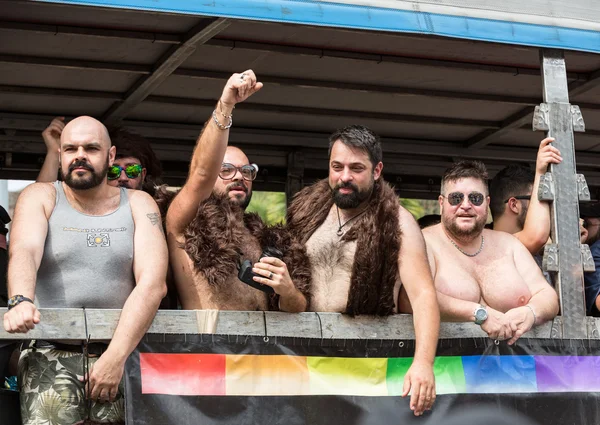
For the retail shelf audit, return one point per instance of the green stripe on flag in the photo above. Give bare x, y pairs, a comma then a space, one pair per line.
449, 375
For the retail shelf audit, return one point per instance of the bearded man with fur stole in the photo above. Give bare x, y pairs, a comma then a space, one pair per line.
209, 235
363, 247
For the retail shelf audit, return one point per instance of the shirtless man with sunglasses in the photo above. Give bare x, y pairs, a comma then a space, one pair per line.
483, 276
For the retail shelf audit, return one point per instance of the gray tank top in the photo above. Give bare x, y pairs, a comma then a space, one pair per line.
88, 260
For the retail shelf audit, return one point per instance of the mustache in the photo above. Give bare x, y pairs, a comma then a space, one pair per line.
237, 186
345, 185
80, 164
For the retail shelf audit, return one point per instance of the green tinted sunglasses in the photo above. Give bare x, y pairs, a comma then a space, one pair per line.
131, 171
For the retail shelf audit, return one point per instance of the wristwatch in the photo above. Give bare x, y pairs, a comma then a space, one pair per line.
480, 314
15, 300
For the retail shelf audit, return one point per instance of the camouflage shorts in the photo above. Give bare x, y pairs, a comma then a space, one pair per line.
51, 392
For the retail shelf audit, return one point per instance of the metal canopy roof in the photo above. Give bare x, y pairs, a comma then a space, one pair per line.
432, 99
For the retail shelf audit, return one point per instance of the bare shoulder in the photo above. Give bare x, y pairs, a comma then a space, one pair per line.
406, 219
39, 189
141, 200
501, 238
432, 233
44, 193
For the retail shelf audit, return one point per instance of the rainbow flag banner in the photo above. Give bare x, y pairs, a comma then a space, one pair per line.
207, 379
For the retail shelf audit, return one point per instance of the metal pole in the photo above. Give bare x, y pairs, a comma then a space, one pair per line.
565, 188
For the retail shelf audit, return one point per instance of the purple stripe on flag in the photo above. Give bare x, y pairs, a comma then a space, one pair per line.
567, 373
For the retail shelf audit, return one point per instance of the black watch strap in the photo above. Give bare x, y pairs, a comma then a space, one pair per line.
15, 300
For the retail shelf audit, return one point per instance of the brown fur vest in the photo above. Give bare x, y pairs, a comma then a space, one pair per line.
377, 237
212, 242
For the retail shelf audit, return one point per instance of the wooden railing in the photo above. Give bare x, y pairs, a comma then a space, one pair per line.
70, 324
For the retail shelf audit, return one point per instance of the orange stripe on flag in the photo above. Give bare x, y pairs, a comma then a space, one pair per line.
183, 374
267, 375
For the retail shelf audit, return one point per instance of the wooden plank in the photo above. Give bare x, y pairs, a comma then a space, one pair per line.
69, 324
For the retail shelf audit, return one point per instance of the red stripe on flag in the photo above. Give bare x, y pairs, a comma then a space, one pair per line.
183, 374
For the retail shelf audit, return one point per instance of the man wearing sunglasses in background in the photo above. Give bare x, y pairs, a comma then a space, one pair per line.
209, 235
590, 213
136, 165
514, 203
481, 275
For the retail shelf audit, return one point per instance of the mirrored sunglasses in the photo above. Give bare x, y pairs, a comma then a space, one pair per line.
248, 171
132, 171
456, 198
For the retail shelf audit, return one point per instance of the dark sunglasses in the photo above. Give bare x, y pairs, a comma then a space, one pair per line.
456, 198
521, 198
131, 171
248, 171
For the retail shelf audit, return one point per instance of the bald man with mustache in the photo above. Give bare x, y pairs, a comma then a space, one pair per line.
82, 243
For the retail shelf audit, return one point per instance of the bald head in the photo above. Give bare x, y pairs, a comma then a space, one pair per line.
235, 155
85, 129
85, 153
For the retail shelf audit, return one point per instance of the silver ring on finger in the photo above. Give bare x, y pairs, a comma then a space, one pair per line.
271, 275
242, 76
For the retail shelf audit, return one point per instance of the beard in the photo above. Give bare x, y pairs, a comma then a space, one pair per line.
452, 227
87, 182
242, 200
129, 185
351, 200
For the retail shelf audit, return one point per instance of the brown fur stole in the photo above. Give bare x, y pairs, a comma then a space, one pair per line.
212, 242
377, 237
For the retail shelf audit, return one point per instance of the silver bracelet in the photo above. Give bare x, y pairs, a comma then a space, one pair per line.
532, 312
218, 124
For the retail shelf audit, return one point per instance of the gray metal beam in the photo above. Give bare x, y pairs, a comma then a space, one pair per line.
523, 116
556, 117
165, 67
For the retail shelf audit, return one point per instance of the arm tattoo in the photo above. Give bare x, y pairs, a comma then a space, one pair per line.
154, 218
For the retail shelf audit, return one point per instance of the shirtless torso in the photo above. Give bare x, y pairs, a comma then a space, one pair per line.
195, 293
332, 260
493, 278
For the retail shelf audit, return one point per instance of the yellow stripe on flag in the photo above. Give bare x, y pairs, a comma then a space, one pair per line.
348, 376
250, 375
